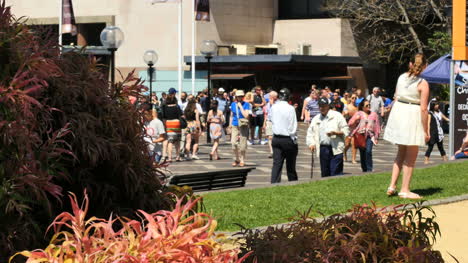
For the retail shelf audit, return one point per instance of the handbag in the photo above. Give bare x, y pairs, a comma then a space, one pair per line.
359, 140
242, 122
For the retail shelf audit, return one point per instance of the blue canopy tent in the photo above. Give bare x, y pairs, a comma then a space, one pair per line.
438, 71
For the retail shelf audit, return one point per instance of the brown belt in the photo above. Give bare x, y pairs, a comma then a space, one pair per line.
406, 102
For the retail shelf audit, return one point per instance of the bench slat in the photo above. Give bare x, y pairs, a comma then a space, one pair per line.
203, 179
213, 180
232, 185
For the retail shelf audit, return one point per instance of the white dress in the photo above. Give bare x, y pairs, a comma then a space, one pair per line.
404, 126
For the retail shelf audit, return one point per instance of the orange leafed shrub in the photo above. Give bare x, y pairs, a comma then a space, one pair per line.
180, 235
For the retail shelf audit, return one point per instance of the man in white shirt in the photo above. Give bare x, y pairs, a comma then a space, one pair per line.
325, 136
284, 121
273, 96
376, 103
183, 101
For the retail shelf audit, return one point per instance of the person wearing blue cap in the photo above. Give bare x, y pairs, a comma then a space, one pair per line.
325, 137
172, 91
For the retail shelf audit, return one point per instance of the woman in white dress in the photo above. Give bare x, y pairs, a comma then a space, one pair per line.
407, 124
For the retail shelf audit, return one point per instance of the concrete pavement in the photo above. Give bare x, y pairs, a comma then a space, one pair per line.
257, 156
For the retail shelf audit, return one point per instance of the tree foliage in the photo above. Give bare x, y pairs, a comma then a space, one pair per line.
63, 129
392, 31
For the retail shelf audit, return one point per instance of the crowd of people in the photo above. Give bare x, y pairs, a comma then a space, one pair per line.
337, 122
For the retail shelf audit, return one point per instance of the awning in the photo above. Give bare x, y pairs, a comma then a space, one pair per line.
230, 76
276, 59
337, 78
438, 71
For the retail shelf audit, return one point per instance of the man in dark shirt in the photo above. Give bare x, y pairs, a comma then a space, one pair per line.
257, 114
337, 104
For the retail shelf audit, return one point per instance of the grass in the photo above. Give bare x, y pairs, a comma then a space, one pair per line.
267, 206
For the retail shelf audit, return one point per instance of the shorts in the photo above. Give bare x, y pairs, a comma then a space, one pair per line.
269, 128
173, 137
203, 118
192, 128
173, 130
258, 121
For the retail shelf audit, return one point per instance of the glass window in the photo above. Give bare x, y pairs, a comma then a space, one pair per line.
300, 9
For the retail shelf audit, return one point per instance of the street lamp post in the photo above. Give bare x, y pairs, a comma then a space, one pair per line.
112, 38
209, 48
150, 57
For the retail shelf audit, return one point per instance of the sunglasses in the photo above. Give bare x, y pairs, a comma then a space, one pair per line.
367, 105
353, 98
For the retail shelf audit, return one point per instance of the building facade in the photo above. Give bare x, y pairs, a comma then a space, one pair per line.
241, 28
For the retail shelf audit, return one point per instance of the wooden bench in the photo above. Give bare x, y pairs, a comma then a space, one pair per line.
213, 180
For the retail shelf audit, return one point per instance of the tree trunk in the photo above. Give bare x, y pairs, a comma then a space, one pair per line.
410, 27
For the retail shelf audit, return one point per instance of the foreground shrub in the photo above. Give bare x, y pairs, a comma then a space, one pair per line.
63, 129
180, 235
366, 234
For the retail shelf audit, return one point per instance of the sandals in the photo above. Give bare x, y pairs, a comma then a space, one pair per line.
235, 163
409, 195
241, 164
391, 191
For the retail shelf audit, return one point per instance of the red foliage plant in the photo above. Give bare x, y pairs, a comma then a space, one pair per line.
366, 234
180, 235
31, 148
63, 129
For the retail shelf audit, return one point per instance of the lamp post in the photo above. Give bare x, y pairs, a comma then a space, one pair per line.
150, 57
208, 48
112, 38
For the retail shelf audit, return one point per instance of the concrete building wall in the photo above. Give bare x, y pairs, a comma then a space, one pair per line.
244, 21
149, 26
240, 22
331, 37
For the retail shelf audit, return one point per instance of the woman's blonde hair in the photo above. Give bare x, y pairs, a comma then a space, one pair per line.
418, 63
248, 96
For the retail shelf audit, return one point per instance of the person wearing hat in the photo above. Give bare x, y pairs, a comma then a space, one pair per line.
222, 102
239, 124
326, 137
172, 91
284, 125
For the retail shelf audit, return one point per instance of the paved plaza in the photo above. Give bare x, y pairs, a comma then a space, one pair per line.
257, 157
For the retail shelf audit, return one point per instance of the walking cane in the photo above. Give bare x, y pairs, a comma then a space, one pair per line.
312, 167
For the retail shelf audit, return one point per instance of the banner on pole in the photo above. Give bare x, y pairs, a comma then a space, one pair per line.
202, 10
68, 18
460, 109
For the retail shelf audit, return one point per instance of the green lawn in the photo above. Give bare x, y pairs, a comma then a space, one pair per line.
267, 206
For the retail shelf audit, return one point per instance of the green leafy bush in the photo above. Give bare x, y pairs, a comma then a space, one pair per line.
365, 234
62, 128
180, 235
